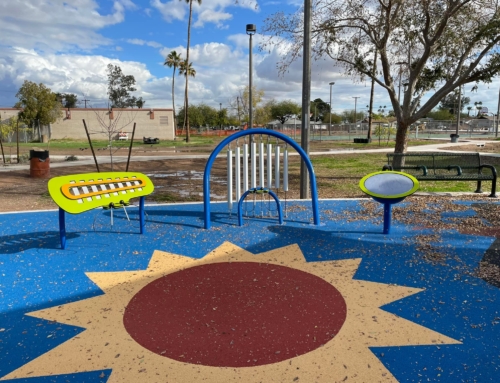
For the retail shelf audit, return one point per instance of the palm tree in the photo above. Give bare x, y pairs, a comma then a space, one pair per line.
186, 70
479, 106
186, 103
173, 60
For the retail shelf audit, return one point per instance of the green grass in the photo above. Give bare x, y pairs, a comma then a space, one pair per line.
76, 144
342, 173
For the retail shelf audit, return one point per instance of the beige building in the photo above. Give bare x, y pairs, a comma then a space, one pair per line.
155, 123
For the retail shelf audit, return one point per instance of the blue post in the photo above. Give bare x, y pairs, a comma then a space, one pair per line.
387, 217
281, 136
62, 228
142, 221
271, 193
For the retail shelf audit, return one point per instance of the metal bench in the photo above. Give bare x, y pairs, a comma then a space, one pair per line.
78, 193
436, 166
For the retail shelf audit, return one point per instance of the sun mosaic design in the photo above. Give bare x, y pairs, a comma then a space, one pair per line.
232, 316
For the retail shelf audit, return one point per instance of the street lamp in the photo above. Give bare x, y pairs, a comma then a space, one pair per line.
251, 29
220, 115
330, 126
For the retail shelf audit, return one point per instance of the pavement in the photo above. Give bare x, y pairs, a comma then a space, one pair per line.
259, 303
59, 161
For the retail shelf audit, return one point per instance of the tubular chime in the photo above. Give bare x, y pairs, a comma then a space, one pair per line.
259, 164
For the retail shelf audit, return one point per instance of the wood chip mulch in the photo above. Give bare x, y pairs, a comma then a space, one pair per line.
443, 214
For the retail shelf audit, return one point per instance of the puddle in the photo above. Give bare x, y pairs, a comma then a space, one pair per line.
190, 175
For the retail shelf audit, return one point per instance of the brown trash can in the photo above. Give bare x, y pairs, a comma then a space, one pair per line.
39, 164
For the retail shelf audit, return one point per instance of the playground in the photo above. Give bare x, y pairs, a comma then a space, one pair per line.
324, 297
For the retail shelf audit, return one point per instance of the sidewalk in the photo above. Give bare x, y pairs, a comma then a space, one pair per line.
58, 161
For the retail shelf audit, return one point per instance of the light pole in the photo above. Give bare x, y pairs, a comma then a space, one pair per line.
251, 29
330, 126
498, 114
355, 105
220, 115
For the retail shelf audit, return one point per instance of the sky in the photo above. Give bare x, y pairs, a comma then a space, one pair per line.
67, 45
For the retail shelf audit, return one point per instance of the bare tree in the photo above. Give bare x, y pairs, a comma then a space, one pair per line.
435, 45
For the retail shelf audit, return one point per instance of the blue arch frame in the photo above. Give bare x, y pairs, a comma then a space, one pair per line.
271, 193
281, 136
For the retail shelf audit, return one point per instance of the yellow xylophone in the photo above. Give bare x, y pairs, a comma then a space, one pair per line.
78, 193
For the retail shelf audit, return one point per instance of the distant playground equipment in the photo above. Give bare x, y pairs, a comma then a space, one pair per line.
150, 140
78, 193
259, 166
388, 188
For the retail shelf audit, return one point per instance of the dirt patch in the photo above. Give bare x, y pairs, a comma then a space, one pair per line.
477, 146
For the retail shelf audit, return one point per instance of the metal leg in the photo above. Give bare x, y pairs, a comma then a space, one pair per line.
142, 221
387, 218
125, 210
478, 190
62, 228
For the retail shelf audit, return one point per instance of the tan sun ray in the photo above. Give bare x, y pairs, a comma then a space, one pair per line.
106, 344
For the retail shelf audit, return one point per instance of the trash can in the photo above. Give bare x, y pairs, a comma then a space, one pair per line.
454, 137
39, 164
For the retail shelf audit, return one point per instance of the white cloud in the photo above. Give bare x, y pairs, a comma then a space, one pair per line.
79, 74
153, 44
207, 55
56, 24
211, 16
210, 11
171, 10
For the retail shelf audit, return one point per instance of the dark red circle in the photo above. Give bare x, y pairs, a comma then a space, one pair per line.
236, 314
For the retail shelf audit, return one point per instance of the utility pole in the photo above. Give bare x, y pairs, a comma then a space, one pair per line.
306, 98
498, 114
400, 75
238, 103
459, 108
355, 110
85, 101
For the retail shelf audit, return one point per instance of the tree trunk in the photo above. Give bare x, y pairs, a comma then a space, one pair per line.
110, 144
372, 90
186, 114
401, 141
401, 137
173, 96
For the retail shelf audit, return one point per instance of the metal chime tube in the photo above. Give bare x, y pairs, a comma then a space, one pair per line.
285, 170
262, 156
245, 168
230, 179
277, 167
269, 165
253, 169
237, 171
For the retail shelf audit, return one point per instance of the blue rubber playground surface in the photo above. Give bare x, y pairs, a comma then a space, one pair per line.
451, 301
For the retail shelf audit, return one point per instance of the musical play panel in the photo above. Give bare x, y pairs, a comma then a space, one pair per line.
78, 193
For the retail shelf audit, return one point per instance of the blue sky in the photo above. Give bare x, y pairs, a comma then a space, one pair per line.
68, 44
